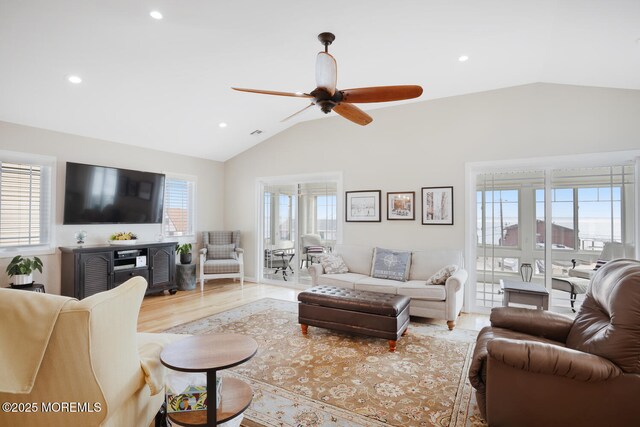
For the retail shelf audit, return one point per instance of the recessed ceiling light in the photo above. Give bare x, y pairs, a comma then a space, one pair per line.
74, 79
463, 58
222, 125
155, 14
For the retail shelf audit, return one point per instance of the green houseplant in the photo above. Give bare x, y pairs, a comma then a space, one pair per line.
185, 253
21, 269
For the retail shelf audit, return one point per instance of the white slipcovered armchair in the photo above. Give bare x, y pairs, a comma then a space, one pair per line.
221, 257
58, 349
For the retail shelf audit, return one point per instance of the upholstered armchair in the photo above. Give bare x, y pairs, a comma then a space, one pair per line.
537, 368
221, 257
56, 349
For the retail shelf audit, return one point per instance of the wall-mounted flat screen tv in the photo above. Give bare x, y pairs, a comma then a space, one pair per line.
104, 195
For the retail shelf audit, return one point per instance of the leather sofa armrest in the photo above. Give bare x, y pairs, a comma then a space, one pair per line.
540, 323
456, 281
550, 359
315, 270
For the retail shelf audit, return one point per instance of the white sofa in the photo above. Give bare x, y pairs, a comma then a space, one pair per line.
435, 301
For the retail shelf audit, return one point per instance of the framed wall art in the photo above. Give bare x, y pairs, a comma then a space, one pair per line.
401, 205
437, 205
362, 206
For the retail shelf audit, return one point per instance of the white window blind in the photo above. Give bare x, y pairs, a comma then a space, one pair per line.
25, 203
179, 206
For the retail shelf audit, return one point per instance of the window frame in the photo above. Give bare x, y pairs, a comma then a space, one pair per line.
48, 190
192, 209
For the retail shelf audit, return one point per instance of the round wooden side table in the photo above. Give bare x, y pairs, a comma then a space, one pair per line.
212, 353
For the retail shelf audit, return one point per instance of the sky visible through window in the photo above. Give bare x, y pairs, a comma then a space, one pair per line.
176, 193
597, 212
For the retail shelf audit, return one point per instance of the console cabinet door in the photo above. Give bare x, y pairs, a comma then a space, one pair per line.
162, 266
95, 273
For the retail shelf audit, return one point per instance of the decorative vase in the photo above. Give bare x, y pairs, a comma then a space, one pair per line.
185, 258
526, 271
22, 279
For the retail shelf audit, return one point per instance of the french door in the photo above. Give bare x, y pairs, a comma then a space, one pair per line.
550, 226
296, 214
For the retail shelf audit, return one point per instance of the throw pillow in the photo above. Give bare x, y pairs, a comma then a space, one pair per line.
442, 275
333, 264
221, 251
599, 263
390, 264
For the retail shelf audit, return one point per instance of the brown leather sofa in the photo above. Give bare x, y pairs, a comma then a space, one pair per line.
537, 368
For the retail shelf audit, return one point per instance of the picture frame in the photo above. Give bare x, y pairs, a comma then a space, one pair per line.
437, 205
401, 206
362, 206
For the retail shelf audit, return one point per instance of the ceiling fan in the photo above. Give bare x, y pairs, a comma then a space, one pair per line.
328, 98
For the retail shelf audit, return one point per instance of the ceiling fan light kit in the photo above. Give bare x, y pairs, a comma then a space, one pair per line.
329, 98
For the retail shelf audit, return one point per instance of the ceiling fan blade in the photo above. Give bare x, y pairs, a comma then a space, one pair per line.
353, 113
326, 72
381, 93
297, 112
271, 92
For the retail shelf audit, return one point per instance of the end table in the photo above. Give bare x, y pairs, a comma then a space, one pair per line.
525, 293
186, 276
212, 353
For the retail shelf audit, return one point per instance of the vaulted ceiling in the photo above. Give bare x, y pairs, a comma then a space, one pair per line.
165, 84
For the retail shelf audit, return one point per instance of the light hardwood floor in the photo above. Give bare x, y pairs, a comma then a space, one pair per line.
161, 312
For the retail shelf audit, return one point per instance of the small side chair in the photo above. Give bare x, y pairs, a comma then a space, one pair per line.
221, 257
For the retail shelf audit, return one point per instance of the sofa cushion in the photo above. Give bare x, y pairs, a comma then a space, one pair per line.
357, 258
425, 264
390, 264
221, 266
333, 264
221, 251
373, 284
417, 289
344, 280
441, 276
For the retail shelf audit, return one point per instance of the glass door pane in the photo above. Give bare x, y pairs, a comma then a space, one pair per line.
318, 225
279, 225
591, 221
508, 233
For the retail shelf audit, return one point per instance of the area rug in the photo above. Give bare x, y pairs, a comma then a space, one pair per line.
329, 378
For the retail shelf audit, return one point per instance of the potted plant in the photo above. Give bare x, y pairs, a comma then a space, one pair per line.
185, 253
21, 270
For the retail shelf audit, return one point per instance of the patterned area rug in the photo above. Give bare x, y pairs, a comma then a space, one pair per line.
333, 379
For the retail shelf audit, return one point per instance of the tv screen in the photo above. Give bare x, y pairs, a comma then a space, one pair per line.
103, 195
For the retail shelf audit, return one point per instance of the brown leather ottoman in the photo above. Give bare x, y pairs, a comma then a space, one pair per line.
374, 314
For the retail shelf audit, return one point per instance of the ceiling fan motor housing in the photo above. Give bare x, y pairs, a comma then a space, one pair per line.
325, 101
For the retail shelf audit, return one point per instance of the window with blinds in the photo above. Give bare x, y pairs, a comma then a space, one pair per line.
25, 204
179, 206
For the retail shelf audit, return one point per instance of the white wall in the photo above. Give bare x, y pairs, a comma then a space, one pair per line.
427, 144
73, 148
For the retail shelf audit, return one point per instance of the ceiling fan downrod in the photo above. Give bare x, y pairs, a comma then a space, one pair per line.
326, 39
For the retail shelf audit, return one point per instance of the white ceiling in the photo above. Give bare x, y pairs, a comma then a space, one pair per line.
166, 84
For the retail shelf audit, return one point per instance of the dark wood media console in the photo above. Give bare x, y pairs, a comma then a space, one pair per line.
87, 270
